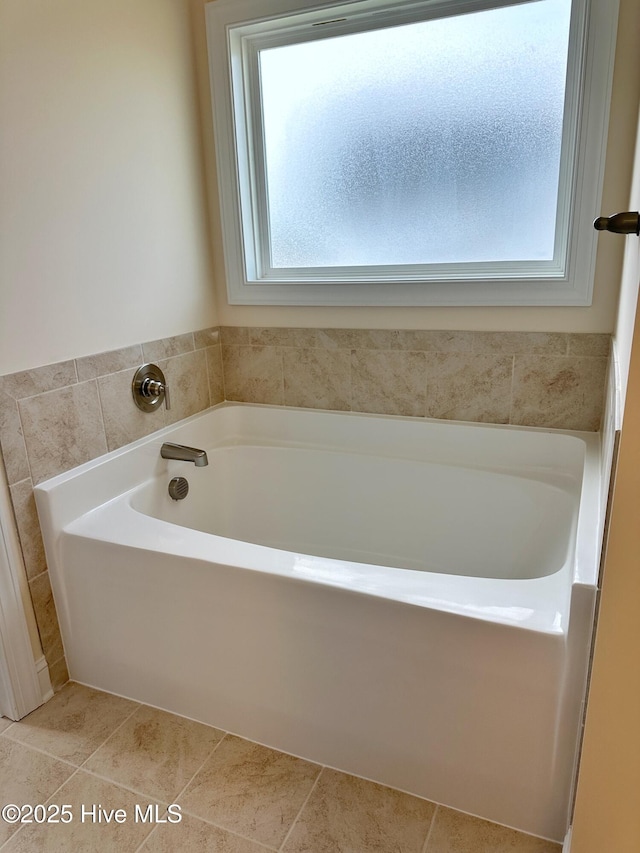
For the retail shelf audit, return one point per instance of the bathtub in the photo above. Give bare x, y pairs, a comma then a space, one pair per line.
406, 600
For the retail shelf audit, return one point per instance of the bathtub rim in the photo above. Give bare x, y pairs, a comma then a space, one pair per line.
139, 461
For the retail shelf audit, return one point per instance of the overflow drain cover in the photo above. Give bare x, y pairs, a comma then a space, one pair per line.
178, 488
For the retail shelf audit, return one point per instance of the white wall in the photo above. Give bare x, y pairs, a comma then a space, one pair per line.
104, 239
599, 317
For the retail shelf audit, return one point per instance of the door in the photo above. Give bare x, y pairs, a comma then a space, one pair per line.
607, 812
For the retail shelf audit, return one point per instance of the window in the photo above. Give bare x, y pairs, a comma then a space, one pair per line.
430, 152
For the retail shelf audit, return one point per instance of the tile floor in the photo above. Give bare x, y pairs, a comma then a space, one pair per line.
89, 750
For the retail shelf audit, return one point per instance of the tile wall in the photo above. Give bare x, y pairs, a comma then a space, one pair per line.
56, 417
526, 378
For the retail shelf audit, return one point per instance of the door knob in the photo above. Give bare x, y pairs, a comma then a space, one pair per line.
620, 223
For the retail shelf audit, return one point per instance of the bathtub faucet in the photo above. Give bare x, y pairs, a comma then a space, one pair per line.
184, 454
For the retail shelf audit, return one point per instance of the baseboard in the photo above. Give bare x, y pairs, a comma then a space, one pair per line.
42, 668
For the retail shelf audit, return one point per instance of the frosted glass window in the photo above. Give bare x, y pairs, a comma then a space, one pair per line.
435, 142
410, 152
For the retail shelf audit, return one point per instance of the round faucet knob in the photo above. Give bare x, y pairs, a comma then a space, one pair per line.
150, 388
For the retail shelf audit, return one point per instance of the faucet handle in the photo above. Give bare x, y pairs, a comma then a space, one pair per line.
150, 388
154, 388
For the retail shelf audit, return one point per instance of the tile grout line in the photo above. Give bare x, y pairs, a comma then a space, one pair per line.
223, 383
302, 808
101, 406
226, 829
38, 750
512, 387
117, 728
202, 819
201, 765
27, 457
146, 838
124, 786
208, 375
430, 831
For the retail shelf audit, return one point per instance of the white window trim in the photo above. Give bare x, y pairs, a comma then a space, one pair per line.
567, 282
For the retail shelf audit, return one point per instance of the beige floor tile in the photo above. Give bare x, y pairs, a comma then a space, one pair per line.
5, 723
195, 836
27, 777
351, 815
454, 832
155, 752
249, 789
89, 835
74, 723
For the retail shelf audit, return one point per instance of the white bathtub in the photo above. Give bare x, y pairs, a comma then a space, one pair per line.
407, 600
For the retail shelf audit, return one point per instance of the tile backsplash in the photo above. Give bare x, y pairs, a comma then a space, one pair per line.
55, 417
527, 378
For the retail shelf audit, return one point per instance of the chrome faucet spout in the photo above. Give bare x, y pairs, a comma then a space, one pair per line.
169, 450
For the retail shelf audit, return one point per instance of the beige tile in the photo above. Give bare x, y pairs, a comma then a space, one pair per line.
155, 753
74, 723
249, 789
391, 383
376, 339
167, 347
541, 343
234, 335
14, 451
46, 616
352, 815
317, 378
430, 340
379, 339
259, 336
195, 836
24, 507
594, 345
62, 429
113, 361
186, 376
27, 776
5, 723
566, 393
469, 387
27, 383
123, 420
214, 371
204, 338
84, 833
58, 673
454, 832
339, 338
253, 374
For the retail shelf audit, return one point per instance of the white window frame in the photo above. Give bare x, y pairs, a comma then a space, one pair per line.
238, 29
